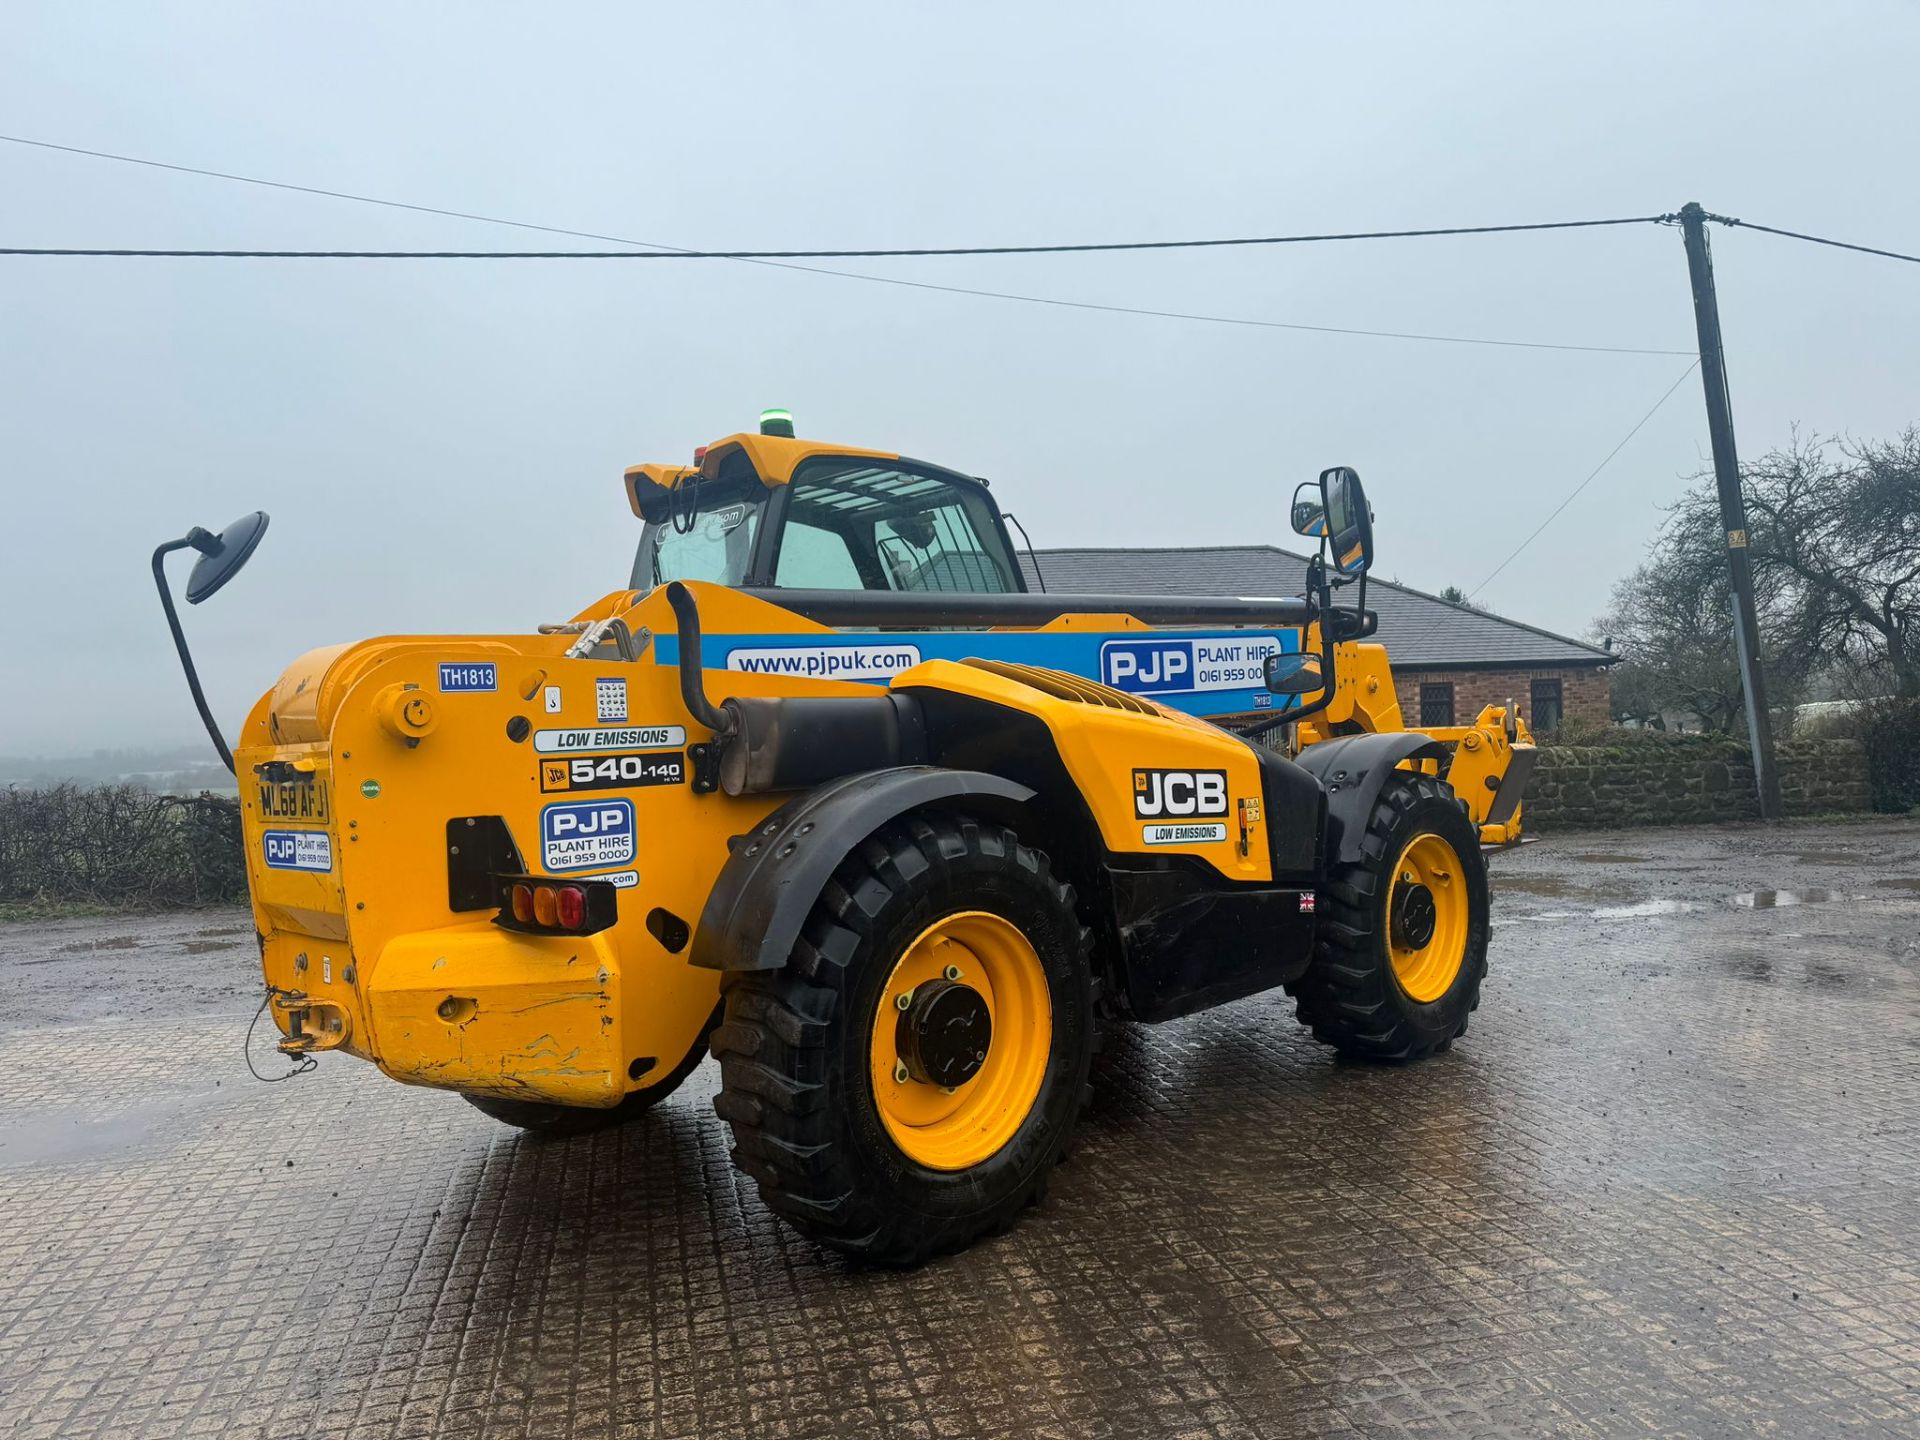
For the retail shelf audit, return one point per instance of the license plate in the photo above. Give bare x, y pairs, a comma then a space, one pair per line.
295, 800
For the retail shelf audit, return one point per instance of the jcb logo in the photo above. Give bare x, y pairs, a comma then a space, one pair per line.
1160, 794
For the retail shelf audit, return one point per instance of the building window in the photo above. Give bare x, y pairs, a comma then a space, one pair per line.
1436, 705
1547, 707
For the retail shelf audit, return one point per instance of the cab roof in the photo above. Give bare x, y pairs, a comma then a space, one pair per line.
774, 458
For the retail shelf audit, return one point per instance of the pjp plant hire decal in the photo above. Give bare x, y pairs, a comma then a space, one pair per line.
1220, 673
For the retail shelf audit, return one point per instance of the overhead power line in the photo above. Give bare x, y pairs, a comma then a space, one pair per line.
1574, 494
913, 253
1015, 297
1812, 239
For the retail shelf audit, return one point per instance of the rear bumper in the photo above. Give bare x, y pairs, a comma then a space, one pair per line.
472, 1007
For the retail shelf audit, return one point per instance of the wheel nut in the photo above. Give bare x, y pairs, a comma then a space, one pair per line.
900, 1075
903, 1002
953, 972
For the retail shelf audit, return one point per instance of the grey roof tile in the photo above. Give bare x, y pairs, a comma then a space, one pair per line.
1419, 630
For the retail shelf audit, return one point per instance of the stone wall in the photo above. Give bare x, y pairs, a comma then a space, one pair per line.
1688, 781
1586, 692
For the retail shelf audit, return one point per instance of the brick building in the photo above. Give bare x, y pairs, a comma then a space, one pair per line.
1448, 660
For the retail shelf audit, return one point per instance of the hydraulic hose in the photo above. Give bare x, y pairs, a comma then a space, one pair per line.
693, 691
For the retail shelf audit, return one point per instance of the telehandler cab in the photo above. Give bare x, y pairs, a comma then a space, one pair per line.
829, 792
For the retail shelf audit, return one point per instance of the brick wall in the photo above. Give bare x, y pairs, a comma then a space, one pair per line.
1586, 693
1688, 780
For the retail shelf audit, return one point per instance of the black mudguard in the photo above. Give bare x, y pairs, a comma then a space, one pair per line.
778, 869
1353, 770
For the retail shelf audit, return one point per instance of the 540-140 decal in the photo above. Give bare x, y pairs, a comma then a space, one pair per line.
614, 772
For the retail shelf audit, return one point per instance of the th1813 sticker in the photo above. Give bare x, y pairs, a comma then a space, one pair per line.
468, 677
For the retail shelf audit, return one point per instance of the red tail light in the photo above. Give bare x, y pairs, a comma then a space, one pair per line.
550, 907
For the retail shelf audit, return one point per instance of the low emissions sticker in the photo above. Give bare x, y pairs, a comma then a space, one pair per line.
297, 850
586, 835
608, 737
1182, 834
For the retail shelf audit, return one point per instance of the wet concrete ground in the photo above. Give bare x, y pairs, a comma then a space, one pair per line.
1669, 1185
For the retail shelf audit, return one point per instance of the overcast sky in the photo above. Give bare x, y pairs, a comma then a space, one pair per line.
440, 443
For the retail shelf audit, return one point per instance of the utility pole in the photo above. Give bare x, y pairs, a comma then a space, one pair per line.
1733, 507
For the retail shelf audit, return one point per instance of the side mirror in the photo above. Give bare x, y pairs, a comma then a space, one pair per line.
1309, 511
1349, 520
222, 555
1296, 674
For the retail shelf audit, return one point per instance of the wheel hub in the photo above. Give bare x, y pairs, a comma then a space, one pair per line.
1414, 915
944, 1033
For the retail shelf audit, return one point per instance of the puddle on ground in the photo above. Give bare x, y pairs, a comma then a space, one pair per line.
61, 1137
1900, 882
1765, 971
1779, 899
1643, 908
1603, 857
1827, 857
109, 942
1640, 910
1746, 900
1552, 886
208, 947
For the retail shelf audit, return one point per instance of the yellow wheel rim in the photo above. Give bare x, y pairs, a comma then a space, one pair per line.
1427, 958
957, 1130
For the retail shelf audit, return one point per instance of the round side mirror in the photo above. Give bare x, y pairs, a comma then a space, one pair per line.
222, 555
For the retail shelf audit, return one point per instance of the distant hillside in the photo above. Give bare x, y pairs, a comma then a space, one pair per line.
176, 770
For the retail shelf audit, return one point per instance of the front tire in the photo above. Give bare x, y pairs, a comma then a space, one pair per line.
908, 1080
1402, 945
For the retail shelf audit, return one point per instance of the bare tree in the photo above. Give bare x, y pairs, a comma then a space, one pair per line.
1834, 539
1835, 531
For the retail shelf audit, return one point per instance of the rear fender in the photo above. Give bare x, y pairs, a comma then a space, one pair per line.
777, 870
1354, 770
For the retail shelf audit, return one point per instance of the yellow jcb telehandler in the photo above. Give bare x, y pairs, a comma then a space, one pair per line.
829, 792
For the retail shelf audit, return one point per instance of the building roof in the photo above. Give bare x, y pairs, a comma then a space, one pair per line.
1420, 631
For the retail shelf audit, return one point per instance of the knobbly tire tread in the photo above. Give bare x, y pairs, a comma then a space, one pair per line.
792, 1049
540, 1117
1348, 995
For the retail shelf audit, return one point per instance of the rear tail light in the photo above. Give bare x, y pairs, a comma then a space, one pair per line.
544, 907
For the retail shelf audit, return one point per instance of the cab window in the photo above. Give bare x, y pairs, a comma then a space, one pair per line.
705, 533
856, 525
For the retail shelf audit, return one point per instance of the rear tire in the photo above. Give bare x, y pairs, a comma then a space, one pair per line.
842, 1134
1402, 943
540, 1117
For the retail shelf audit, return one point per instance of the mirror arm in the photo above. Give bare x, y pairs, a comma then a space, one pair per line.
197, 539
1317, 583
